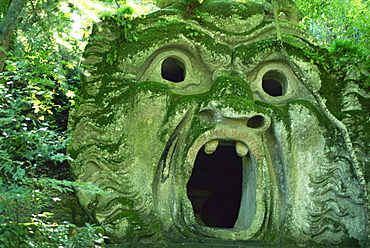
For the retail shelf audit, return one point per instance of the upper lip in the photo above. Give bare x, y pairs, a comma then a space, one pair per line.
240, 147
244, 140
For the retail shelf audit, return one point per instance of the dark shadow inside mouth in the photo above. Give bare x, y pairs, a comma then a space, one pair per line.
215, 187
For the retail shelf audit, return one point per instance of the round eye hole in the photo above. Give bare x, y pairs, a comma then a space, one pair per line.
173, 70
274, 83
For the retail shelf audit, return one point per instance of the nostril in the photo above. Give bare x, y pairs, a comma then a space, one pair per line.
256, 121
206, 115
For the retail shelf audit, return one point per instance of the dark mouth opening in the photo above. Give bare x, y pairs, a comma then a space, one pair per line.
215, 187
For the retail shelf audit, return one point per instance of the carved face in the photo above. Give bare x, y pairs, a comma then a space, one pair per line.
203, 125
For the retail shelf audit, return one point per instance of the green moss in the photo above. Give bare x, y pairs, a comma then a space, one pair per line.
164, 32
198, 128
177, 111
137, 39
155, 36
136, 227
323, 120
365, 103
226, 9
233, 86
359, 129
180, 102
238, 104
126, 98
331, 91
154, 87
229, 92
294, 46
278, 113
248, 52
139, 226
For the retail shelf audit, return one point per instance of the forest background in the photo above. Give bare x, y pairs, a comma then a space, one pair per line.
41, 48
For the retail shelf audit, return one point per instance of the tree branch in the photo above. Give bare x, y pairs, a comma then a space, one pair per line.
8, 24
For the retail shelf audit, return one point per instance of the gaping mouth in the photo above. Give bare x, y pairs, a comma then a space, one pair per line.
222, 186
217, 188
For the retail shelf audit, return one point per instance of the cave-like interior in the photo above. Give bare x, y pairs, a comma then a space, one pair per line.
215, 187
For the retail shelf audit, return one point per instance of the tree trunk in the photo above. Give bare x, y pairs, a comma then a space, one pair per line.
8, 24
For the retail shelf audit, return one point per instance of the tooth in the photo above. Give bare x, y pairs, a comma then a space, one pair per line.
211, 146
241, 149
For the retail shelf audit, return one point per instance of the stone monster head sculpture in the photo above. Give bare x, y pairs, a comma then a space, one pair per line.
203, 125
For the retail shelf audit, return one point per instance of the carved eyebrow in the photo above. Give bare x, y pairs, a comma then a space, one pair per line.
250, 49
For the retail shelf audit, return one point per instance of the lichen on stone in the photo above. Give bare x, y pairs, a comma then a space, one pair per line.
181, 105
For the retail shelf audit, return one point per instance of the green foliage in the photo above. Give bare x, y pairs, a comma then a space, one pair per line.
27, 145
32, 146
37, 88
336, 19
122, 16
119, 13
343, 27
193, 32
40, 234
125, 11
3, 7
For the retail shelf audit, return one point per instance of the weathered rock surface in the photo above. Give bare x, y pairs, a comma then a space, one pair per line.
286, 141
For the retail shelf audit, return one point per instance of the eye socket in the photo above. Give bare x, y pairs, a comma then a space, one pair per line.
274, 83
173, 70
178, 67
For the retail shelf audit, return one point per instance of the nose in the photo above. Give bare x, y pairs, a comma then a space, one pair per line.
230, 84
228, 113
231, 104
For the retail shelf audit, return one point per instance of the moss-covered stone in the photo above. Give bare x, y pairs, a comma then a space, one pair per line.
161, 88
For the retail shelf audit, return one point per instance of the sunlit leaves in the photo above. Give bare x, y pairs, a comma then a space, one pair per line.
343, 27
37, 87
337, 19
